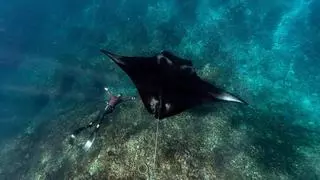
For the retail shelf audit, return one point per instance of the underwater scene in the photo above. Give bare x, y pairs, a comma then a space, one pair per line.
160, 89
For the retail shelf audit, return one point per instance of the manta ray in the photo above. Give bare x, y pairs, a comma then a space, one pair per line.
168, 84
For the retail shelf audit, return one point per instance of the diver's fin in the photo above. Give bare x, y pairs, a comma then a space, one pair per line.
89, 142
88, 145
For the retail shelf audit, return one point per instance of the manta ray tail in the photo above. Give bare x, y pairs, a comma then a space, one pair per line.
156, 144
157, 133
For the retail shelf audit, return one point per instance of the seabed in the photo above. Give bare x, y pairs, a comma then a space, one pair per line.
229, 142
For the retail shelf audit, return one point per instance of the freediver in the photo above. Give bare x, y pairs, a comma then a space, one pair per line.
113, 101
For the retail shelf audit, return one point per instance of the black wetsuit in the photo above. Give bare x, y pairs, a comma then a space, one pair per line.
112, 103
98, 120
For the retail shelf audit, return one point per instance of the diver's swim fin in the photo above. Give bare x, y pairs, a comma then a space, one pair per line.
89, 142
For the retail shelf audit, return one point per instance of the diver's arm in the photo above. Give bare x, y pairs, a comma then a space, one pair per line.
128, 98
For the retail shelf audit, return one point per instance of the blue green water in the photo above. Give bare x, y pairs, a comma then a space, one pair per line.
265, 51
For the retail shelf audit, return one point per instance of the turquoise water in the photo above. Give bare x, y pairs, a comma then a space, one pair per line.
52, 78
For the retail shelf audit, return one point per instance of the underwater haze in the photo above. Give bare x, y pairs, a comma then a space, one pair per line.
53, 77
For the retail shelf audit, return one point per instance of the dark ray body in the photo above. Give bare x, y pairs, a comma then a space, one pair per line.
168, 84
